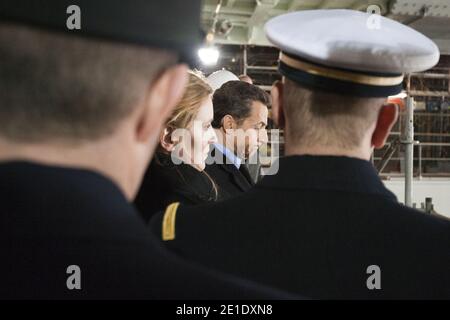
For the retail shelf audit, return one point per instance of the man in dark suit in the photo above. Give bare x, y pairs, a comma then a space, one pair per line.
81, 106
240, 120
325, 225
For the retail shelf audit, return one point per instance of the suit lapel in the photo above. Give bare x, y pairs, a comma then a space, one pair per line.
238, 178
246, 173
241, 177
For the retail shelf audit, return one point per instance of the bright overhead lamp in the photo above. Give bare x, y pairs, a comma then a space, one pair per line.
209, 55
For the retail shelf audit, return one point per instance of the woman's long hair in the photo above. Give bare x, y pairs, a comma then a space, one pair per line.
197, 90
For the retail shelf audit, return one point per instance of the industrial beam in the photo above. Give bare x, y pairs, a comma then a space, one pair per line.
408, 141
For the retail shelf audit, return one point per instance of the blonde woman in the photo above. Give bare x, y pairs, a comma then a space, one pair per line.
176, 173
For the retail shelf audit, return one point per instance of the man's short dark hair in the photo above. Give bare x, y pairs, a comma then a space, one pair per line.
320, 118
235, 98
59, 86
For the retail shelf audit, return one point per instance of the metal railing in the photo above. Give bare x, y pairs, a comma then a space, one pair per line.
418, 170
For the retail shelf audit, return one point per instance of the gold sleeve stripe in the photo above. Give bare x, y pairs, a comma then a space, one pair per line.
340, 74
168, 225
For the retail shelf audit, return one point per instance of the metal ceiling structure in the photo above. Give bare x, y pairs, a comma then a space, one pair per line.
242, 21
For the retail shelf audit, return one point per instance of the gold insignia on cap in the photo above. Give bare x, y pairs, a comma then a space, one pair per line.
168, 225
340, 74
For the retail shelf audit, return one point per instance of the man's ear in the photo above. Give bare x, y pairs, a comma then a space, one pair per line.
163, 95
387, 117
277, 104
228, 123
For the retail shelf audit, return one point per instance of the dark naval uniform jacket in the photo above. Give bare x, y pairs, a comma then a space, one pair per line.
230, 180
70, 233
323, 226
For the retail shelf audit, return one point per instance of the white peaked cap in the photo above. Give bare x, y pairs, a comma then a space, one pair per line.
370, 51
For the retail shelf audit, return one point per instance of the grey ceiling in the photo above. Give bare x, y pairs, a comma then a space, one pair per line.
242, 21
